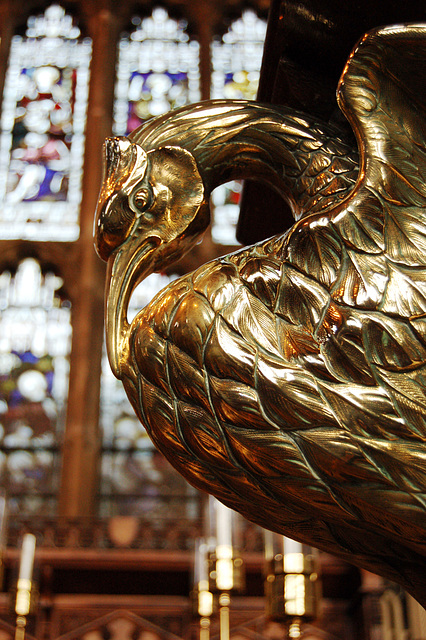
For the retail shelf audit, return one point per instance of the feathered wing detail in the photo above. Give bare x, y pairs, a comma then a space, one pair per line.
370, 252
385, 213
383, 97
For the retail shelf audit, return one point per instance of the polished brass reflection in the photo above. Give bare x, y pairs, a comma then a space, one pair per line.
288, 378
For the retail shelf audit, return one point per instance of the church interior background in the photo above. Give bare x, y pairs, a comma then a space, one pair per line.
118, 533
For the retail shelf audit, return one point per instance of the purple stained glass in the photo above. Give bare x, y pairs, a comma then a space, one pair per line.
157, 71
157, 94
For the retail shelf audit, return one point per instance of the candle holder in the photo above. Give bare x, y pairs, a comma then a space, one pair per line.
24, 597
226, 568
292, 585
226, 575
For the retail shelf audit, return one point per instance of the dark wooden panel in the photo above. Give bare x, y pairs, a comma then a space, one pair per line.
307, 45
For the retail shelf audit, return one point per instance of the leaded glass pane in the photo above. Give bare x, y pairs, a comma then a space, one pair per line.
237, 57
35, 341
236, 62
135, 478
42, 130
158, 70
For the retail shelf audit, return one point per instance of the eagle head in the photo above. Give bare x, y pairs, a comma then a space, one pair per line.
149, 198
151, 210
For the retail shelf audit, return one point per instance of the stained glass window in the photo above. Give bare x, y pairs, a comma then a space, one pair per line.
42, 129
236, 61
158, 70
135, 478
35, 340
237, 57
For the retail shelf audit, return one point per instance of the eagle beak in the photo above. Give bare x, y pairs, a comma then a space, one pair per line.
126, 268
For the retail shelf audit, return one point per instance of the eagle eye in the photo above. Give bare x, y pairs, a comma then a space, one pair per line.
141, 199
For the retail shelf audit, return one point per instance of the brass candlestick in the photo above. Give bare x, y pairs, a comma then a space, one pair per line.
226, 569
292, 587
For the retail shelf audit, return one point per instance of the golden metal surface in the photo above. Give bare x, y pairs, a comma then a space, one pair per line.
288, 379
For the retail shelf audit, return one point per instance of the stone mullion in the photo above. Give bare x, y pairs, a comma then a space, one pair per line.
8, 19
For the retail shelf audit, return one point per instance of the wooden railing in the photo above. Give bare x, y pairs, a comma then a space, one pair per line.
174, 533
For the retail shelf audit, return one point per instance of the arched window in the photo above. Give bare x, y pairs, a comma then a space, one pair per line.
42, 129
158, 70
35, 340
44, 110
236, 59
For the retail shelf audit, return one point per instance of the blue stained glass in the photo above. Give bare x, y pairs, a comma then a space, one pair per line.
23, 389
29, 416
42, 135
237, 57
27, 357
35, 336
157, 71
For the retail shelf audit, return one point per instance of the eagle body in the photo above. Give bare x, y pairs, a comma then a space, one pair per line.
255, 395
288, 378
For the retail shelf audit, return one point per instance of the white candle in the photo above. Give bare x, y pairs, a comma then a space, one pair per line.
293, 556
27, 557
201, 573
270, 544
291, 546
223, 525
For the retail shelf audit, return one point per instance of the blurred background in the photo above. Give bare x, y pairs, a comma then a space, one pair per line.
100, 537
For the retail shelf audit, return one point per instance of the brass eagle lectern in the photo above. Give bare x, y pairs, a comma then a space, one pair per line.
289, 378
